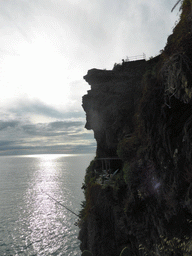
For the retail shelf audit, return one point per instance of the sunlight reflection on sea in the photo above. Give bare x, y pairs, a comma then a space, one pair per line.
33, 223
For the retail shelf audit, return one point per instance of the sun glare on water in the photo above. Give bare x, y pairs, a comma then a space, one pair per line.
46, 218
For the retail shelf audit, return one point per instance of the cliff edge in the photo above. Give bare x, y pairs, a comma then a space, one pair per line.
138, 189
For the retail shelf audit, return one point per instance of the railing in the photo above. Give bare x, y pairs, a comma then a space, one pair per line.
137, 57
106, 162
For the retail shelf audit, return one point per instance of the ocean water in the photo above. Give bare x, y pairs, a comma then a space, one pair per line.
31, 221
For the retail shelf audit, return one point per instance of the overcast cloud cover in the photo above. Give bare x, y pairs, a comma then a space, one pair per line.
46, 48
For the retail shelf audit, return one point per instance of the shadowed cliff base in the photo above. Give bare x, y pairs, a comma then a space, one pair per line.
141, 113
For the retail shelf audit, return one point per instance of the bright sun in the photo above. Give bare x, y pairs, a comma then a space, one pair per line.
37, 71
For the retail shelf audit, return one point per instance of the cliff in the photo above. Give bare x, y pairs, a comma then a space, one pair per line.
141, 115
110, 103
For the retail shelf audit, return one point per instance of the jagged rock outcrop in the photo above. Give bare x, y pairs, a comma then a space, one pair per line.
142, 112
113, 96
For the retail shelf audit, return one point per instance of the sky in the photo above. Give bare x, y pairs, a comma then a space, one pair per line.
46, 48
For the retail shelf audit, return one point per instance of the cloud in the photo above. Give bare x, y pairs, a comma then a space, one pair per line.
60, 125
7, 124
59, 128
34, 107
89, 31
46, 48
92, 27
16, 17
5, 144
21, 137
57, 149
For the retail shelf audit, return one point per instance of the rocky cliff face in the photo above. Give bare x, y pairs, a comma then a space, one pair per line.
108, 105
142, 112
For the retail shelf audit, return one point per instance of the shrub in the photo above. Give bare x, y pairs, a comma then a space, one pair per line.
169, 247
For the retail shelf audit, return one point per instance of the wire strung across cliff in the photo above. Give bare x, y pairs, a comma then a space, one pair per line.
60, 203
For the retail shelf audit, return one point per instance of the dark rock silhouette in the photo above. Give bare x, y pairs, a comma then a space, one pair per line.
141, 112
111, 102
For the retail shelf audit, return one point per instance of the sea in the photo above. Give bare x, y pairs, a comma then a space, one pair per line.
37, 195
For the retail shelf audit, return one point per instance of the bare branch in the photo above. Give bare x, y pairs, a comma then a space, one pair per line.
175, 5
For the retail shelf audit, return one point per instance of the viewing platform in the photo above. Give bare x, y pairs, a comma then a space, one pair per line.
130, 63
134, 58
